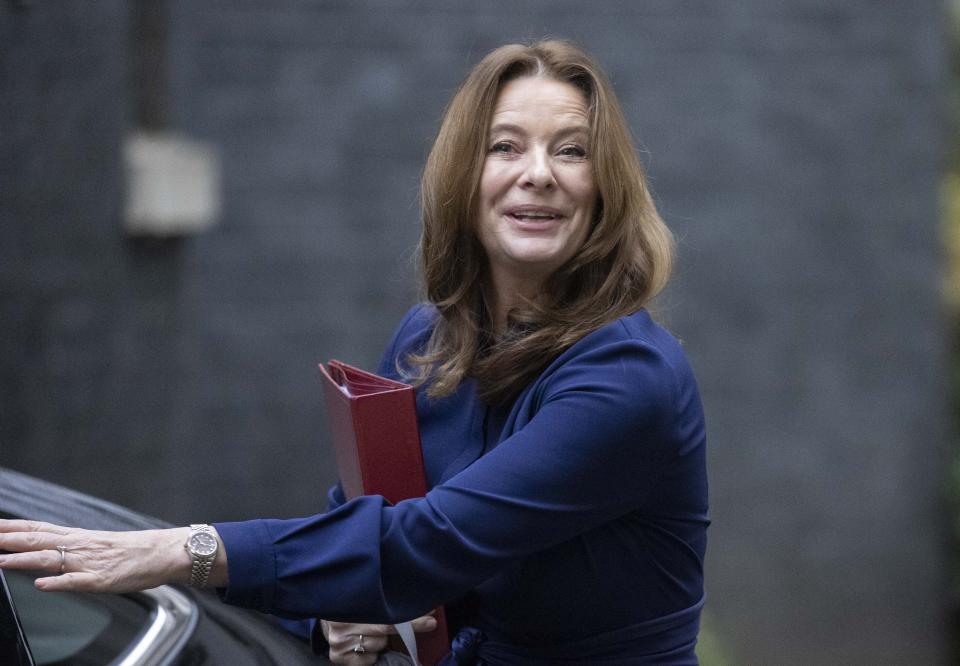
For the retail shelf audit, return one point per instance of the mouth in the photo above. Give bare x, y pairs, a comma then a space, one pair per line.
533, 215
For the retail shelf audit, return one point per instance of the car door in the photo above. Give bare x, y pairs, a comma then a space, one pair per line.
77, 629
14, 649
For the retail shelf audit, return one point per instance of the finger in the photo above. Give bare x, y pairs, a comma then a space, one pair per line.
40, 560
351, 658
21, 542
424, 623
355, 629
17, 525
345, 652
76, 582
345, 644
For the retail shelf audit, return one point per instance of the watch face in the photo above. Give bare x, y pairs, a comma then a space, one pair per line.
203, 544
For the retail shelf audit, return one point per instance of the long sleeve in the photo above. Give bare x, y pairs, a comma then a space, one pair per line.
589, 442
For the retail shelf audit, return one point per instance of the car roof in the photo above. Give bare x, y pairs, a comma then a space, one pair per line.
22, 496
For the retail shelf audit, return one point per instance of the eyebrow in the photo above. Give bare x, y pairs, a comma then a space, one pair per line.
516, 129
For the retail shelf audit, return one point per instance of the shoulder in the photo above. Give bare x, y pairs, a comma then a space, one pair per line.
641, 329
410, 336
416, 324
632, 356
633, 336
627, 379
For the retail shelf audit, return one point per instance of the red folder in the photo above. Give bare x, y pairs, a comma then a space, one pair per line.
373, 422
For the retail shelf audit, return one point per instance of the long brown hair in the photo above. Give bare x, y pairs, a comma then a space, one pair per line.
623, 263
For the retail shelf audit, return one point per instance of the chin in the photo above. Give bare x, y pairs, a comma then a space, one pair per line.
536, 264
537, 250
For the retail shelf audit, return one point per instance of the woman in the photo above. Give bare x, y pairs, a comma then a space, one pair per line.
562, 431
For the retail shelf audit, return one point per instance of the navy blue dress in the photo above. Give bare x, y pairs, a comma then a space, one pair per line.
569, 527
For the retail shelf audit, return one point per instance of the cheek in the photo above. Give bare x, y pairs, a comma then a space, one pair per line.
588, 192
581, 188
491, 182
586, 212
587, 201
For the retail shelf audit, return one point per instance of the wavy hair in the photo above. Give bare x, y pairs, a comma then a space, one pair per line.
624, 261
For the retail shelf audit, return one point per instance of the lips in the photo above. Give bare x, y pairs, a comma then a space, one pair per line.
530, 215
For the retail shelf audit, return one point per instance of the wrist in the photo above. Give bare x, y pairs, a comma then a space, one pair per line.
186, 573
218, 571
202, 546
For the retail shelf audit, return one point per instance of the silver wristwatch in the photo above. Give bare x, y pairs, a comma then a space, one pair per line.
202, 547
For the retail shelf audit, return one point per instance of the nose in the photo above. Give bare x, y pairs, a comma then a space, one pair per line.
538, 172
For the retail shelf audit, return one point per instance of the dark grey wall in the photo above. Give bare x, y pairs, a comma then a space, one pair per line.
64, 289
794, 146
802, 178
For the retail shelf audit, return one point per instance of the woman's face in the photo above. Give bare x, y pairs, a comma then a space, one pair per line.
537, 195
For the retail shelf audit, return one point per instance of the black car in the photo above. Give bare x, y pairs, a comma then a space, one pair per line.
165, 625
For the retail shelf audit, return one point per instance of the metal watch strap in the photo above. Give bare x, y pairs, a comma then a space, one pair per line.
200, 572
199, 565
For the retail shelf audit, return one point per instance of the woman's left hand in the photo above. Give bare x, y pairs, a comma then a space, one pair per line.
353, 644
95, 561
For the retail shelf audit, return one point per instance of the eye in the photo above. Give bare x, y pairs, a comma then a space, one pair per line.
572, 150
502, 147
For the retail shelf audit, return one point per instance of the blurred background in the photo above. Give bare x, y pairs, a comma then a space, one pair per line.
200, 201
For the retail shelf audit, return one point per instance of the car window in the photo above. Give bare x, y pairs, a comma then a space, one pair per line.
76, 629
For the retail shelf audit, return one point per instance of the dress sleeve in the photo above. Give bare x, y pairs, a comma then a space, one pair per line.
607, 423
